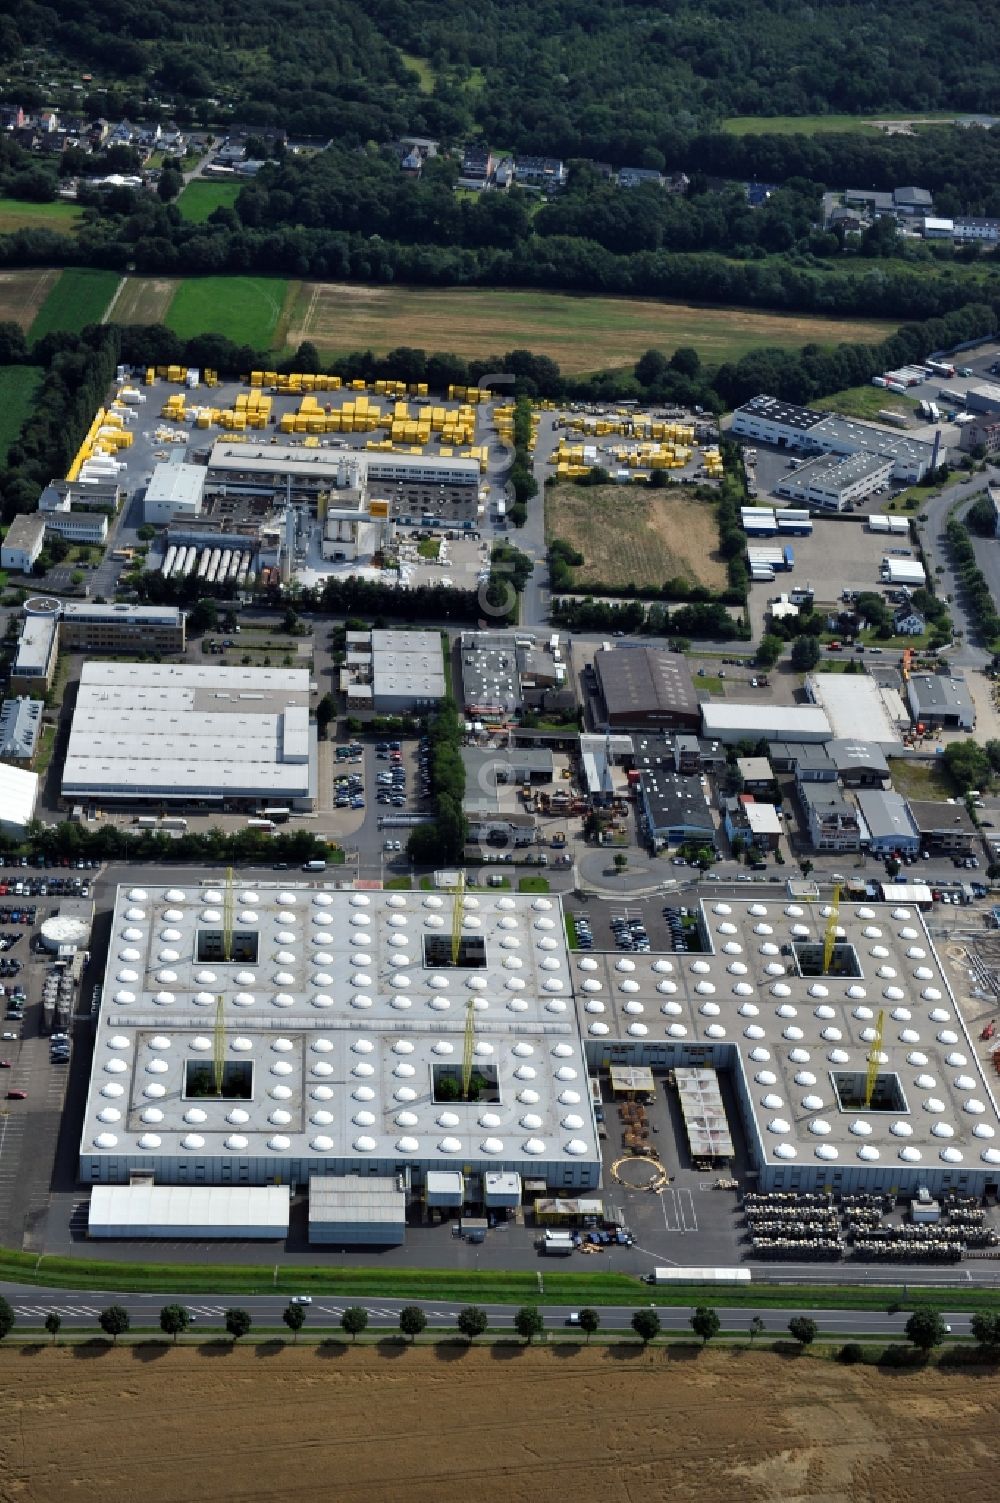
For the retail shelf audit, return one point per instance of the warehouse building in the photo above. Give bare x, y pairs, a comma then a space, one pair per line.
834, 483
858, 764
394, 672
940, 702
344, 1023
730, 723
178, 734
23, 543
887, 826
858, 707
174, 493
646, 688
491, 676
297, 473
799, 429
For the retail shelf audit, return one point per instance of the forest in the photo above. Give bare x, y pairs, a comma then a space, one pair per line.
573, 77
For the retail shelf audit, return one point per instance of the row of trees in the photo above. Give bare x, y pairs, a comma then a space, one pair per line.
925, 1327
707, 620
213, 847
444, 840
973, 588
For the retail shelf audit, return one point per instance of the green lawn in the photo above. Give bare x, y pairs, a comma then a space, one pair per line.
533, 884
18, 386
422, 68
866, 402
812, 125
201, 198
80, 297
244, 309
22, 214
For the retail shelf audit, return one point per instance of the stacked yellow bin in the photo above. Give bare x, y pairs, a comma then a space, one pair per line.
173, 407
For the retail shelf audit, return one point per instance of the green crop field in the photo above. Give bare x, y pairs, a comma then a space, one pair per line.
245, 309
582, 333
18, 385
20, 214
812, 125
78, 298
202, 197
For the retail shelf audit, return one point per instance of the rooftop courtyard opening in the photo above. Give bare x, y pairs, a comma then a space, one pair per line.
439, 952
843, 960
851, 1087
242, 945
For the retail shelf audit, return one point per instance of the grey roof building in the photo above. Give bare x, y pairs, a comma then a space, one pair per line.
936, 700
858, 764
886, 822
20, 728
675, 807
646, 687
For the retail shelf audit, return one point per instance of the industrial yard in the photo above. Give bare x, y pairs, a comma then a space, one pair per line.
618, 1422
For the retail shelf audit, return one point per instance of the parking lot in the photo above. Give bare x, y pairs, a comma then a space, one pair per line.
840, 554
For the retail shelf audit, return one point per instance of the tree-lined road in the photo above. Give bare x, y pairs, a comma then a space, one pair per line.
79, 1311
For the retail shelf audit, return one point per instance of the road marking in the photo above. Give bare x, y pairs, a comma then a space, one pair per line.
686, 1208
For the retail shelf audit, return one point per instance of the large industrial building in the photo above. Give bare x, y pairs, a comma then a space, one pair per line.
799, 429
180, 734
297, 473
730, 723
834, 482
339, 1047
343, 1038
646, 688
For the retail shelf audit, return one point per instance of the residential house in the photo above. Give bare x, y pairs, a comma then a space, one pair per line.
47, 121
12, 117
751, 823
987, 230
757, 194
909, 622
983, 434
540, 172
637, 177
478, 166
423, 144
412, 164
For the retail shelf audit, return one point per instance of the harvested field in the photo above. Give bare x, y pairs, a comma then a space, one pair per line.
144, 300
581, 333
22, 293
436, 1425
630, 535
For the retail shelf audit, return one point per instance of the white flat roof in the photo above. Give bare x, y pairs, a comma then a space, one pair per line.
341, 1021
776, 722
181, 484
855, 707
189, 730
18, 795
181, 1208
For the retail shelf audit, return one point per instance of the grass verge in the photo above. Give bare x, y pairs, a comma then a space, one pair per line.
484, 1287
866, 402
533, 884
80, 297
815, 125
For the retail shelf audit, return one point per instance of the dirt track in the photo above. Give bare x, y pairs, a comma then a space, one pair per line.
368, 1425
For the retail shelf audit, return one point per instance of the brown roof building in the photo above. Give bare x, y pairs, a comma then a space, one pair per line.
646, 687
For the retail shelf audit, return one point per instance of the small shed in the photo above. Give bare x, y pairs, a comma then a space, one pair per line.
502, 1189
445, 1187
631, 1079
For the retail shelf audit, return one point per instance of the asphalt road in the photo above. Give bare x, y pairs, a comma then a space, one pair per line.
80, 1312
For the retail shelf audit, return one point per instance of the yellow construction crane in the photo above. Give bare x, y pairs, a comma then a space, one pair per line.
457, 915
470, 1044
874, 1058
219, 1045
832, 923
227, 918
